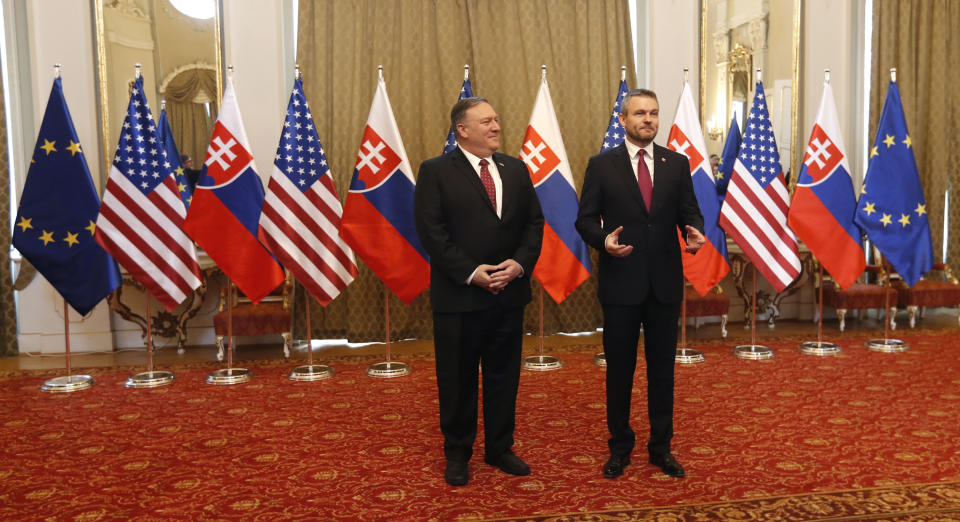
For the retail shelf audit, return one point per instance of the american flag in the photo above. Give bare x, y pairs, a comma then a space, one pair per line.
300, 222
615, 134
141, 217
466, 91
754, 211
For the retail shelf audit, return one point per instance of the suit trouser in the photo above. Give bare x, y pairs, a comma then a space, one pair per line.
621, 333
492, 338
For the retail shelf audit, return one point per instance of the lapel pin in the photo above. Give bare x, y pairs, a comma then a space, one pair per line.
500, 163
663, 160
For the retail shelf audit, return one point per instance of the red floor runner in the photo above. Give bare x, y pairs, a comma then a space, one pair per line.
359, 448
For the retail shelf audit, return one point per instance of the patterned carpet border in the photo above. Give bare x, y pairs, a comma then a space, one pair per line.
938, 501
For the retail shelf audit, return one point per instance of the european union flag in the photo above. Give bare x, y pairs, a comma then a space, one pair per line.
892, 210
57, 214
466, 91
615, 134
730, 151
172, 156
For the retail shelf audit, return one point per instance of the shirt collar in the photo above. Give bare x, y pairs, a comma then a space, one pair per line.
472, 158
633, 149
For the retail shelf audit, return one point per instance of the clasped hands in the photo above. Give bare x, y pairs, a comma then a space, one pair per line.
494, 278
612, 244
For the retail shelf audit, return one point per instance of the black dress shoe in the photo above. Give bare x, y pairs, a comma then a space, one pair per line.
457, 473
509, 463
668, 464
614, 467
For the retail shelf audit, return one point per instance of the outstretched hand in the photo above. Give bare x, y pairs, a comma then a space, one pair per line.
613, 246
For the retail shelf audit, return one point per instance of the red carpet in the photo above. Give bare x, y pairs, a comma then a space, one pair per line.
780, 437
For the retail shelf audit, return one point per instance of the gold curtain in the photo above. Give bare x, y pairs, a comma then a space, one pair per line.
8, 310
190, 122
919, 39
423, 46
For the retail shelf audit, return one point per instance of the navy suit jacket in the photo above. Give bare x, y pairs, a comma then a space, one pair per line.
459, 228
611, 198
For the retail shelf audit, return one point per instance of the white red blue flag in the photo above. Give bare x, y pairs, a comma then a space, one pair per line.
564, 258
466, 91
141, 216
824, 204
224, 217
754, 211
615, 133
709, 265
300, 222
378, 215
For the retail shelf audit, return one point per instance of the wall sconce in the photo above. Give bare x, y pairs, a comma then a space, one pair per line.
714, 128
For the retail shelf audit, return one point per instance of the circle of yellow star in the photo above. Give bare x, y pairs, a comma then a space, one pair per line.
92, 228
46, 237
908, 141
921, 209
869, 208
181, 187
873, 152
25, 223
904, 220
74, 148
71, 239
49, 146
886, 220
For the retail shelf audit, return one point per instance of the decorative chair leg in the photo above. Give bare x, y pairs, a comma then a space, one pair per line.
723, 326
286, 345
842, 314
912, 314
220, 348
696, 323
816, 314
893, 318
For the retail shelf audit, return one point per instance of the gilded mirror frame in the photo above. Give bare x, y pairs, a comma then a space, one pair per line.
707, 56
103, 87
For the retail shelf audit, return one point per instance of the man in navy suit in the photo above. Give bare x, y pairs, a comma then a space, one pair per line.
634, 198
479, 218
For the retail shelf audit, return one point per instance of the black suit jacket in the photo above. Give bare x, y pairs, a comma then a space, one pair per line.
460, 230
611, 198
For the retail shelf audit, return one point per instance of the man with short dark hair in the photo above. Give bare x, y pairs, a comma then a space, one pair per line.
479, 218
634, 197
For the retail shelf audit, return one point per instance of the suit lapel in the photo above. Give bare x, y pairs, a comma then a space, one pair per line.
506, 187
627, 176
470, 176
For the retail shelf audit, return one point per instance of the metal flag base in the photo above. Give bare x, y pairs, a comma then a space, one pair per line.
818, 348
688, 356
753, 352
388, 369
149, 380
545, 363
311, 372
887, 345
70, 383
229, 376
600, 359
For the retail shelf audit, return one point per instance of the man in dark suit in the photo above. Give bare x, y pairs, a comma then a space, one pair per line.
633, 199
479, 218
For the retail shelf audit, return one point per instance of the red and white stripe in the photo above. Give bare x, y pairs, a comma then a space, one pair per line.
144, 233
302, 231
756, 218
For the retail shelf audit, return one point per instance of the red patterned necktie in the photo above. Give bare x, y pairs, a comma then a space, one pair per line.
487, 181
643, 179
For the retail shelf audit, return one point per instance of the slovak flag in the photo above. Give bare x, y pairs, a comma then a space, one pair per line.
378, 215
564, 258
709, 265
824, 205
224, 217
